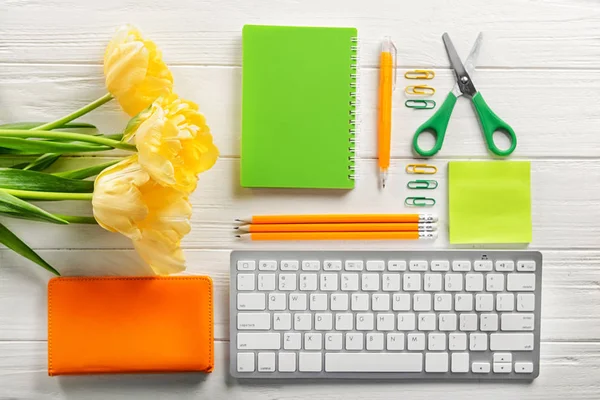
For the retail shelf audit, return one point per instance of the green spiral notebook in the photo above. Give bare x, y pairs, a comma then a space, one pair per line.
298, 107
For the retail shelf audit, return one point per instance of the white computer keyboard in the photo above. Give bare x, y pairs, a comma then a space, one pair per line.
385, 314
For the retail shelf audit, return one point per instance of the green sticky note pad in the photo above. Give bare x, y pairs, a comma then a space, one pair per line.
489, 202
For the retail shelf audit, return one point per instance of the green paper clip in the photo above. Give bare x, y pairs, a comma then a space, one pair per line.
422, 184
419, 201
420, 104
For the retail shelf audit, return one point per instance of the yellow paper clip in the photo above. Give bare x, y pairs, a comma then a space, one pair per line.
422, 90
419, 74
425, 169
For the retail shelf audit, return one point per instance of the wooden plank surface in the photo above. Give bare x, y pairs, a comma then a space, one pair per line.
539, 69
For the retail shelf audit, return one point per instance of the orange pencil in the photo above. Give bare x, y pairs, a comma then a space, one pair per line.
367, 227
339, 236
337, 218
387, 80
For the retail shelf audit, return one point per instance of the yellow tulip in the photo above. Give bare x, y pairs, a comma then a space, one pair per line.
173, 141
135, 71
127, 200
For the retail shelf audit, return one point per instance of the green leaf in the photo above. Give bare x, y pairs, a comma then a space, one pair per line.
42, 162
31, 125
27, 146
85, 172
17, 208
41, 182
11, 241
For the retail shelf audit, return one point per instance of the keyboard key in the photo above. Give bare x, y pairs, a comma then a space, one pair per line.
502, 357
251, 301
422, 302
266, 282
396, 265
329, 282
258, 341
373, 362
323, 322
385, 322
463, 302
442, 302
526, 266
416, 341
287, 281
318, 302
266, 362
436, 362
313, 341
468, 322
297, 302
310, 362
311, 265
517, 322
380, 302
267, 265
502, 368
354, 341
412, 282
427, 322
494, 283
354, 265
474, 282
478, 342
460, 362
401, 302
447, 322
511, 342
245, 362
480, 368
505, 302
432, 282
520, 282
454, 282
391, 282
461, 266
344, 322
246, 265
277, 302
245, 282
488, 322
375, 266
282, 321
484, 302
289, 265
360, 302
339, 302
418, 265
254, 321
292, 341
457, 341
332, 265
395, 341
436, 342
525, 302
483, 265
523, 368
287, 362
364, 322
406, 322
370, 282
333, 341
505, 266
350, 282
308, 282
374, 341
440, 266
302, 322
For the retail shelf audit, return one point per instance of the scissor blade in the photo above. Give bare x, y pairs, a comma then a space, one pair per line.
463, 85
455, 62
473, 54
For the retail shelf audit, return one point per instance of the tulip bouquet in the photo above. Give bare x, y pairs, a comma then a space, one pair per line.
145, 196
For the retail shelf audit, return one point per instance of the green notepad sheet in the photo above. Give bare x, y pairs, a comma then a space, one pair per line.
489, 202
297, 113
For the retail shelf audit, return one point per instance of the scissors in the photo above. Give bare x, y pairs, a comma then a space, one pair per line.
490, 122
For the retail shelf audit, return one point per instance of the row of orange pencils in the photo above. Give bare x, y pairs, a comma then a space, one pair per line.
338, 227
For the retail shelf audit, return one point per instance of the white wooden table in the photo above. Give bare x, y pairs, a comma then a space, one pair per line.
539, 69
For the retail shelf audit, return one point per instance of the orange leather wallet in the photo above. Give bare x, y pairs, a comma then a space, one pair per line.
130, 324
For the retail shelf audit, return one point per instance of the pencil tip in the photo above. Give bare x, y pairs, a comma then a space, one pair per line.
237, 220
238, 236
236, 228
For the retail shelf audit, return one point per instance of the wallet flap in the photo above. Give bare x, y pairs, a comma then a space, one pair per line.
130, 324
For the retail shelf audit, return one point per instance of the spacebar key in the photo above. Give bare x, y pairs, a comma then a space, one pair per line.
373, 362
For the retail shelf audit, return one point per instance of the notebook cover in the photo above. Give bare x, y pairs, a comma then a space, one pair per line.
130, 324
298, 107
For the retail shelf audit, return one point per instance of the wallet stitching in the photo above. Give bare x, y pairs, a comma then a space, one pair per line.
141, 278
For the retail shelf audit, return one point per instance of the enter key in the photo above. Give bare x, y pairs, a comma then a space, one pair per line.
517, 322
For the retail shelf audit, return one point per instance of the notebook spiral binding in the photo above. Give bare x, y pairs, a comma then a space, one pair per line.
353, 109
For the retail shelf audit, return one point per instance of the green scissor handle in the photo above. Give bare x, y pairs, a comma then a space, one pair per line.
436, 125
491, 123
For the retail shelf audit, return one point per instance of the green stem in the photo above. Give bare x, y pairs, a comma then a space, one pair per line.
52, 196
74, 219
74, 115
79, 137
